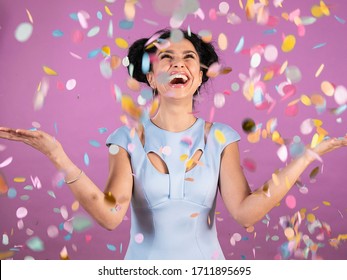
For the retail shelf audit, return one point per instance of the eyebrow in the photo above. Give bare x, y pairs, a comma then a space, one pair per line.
184, 52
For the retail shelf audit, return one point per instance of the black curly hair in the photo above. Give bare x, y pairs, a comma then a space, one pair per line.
206, 52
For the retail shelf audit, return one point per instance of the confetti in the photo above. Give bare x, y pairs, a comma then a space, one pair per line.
340, 95
219, 135
288, 43
139, 238
23, 32
35, 244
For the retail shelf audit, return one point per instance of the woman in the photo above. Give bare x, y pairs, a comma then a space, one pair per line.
171, 165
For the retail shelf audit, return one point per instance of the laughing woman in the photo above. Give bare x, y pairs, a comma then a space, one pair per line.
170, 167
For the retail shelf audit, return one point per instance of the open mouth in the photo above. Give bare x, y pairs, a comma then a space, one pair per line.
178, 80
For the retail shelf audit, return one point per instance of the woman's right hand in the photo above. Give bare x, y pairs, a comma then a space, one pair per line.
37, 139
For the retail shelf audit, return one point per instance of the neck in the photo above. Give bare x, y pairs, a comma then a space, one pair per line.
174, 117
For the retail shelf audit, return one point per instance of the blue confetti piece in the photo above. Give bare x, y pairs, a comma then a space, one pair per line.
111, 247
240, 45
86, 159
340, 20
94, 53
74, 16
67, 237
56, 127
126, 24
94, 143
11, 193
145, 65
24, 197
102, 130
147, 94
319, 45
270, 31
57, 33
99, 15
121, 248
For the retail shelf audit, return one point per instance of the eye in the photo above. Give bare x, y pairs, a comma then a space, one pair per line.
189, 56
164, 56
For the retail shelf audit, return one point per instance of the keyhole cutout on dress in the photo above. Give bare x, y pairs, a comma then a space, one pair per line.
160, 165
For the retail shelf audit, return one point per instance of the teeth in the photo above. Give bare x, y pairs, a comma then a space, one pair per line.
178, 76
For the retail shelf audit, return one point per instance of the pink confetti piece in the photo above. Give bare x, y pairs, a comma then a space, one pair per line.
6, 162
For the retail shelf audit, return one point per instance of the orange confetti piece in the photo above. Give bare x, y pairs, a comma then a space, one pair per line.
319, 71
3, 185
194, 215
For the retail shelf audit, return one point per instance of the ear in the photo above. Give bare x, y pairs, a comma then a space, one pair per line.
151, 80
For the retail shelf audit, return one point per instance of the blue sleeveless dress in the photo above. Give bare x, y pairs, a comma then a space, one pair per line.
173, 215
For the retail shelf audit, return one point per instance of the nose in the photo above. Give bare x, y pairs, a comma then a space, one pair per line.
178, 63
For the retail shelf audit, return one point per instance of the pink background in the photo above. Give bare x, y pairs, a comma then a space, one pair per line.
82, 118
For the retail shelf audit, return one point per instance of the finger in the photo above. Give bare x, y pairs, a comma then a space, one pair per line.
27, 133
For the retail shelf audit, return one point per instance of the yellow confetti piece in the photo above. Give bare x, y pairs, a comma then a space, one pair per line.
29, 16
316, 11
319, 71
106, 51
288, 43
49, 71
183, 157
219, 135
314, 141
326, 203
325, 10
310, 217
317, 123
342, 237
305, 100
121, 43
322, 131
19, 179
107, 10
75, 205
269, 75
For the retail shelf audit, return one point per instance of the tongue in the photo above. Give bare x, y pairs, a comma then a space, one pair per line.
177, 81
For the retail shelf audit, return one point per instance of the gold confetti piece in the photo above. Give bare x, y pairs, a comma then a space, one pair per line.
110, 198
317, 123
19, 179
107, 10
3, 185
219, 135
63, 254
75, 205
29, 16
49, 71
6, 255
314, 173
269, 75
319, 71
194, 215
326, 203
121, 43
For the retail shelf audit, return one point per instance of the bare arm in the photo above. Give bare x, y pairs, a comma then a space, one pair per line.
108, 208
249, 207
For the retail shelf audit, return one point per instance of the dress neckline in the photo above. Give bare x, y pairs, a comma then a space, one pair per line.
152, 124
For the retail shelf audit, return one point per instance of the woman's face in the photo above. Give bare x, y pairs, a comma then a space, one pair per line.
176, 70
